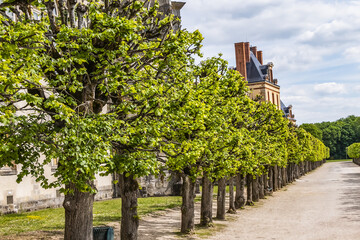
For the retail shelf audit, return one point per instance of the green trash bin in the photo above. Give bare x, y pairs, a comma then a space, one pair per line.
103, 233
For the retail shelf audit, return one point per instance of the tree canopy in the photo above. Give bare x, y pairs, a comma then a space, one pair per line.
336, 135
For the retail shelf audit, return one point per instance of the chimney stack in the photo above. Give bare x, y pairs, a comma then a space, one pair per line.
247, 51
254, 51
242, 56
260, 57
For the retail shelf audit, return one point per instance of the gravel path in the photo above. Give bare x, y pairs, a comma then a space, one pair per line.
323, 205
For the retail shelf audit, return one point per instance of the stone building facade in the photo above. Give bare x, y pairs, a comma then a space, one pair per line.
260, 77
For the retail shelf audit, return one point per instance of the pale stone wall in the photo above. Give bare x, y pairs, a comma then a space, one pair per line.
266, 91
29, 195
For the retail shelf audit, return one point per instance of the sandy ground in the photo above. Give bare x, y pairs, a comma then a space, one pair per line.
323, 205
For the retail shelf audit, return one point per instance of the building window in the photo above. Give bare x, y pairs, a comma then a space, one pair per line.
273, 98
277, 99
10, 200
268, 97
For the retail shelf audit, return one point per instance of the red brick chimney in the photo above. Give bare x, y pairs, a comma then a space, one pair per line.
254, 51
242, 56
247, 51
260, 57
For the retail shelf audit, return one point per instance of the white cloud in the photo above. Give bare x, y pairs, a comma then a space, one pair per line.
357, 88
313, 44
330, 88
352, 53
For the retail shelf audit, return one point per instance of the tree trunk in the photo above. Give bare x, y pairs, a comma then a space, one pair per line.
271, 179
220, 210
255, 189
262, 186
206, 202
240, 191
289, 173
130, 220
284, 176
78, 214
249, 180
187, 207
280, 183
232, 208
276, 178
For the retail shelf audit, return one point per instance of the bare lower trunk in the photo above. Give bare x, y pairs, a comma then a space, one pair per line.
78, 214
206, 202
240, 191
187, 207
262, 186
280, 183
271, 179
284, 176
232, 208
255, 189
220, 211
249, 180
275, 178
129, 220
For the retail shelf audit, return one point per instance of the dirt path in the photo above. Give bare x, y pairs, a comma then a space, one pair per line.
323, 205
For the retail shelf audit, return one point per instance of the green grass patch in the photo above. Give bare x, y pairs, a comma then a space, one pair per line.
215, 189
339, 160
104, 212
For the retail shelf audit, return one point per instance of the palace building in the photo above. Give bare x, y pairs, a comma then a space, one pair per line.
260, 77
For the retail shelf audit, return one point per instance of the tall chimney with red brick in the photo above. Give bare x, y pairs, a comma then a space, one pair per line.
254, 51
241, 58
260, 57
247, 51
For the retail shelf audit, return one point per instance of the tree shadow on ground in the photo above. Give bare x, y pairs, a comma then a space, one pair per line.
350, 195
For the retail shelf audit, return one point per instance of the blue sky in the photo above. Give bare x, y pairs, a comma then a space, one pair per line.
314, 45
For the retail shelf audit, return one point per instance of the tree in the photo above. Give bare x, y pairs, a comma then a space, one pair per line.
354, 150
65, 71
313, 129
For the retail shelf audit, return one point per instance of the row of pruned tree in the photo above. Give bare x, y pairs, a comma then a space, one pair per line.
353, 151
108, 87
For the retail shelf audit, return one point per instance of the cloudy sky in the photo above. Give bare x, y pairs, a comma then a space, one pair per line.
314, 45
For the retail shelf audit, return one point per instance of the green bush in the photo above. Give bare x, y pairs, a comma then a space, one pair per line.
354, 150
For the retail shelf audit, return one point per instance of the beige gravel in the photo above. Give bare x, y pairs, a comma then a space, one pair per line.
323, 205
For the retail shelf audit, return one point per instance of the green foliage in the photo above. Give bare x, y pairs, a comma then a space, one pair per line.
121, 93
354, 150
336, 135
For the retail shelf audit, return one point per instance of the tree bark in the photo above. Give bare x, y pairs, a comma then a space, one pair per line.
249, 179
206, 202
280, 178
130, 220
283, 175
255, 189
240, 191
276, 178
271, 179
78, 214
262, 186
221, 194
187, 207
232, 208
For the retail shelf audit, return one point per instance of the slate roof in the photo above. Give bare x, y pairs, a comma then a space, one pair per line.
255, 71
285, 109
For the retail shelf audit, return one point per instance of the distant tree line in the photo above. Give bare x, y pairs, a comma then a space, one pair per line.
336, 135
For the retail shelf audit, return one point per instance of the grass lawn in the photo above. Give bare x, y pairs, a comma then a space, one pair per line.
339, 160
104, 212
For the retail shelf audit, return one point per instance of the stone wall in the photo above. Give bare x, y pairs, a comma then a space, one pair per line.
356, 161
